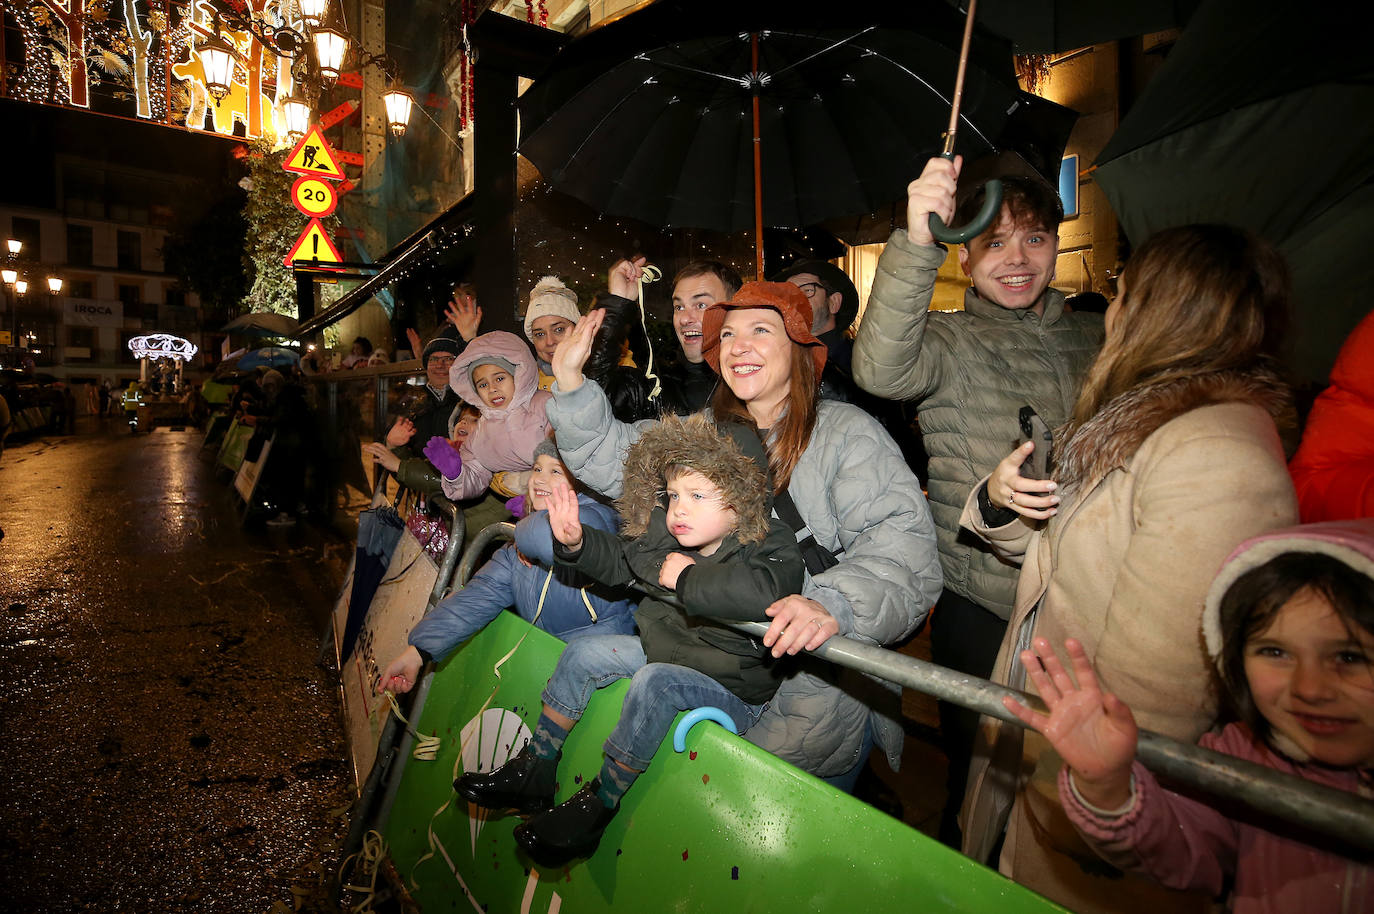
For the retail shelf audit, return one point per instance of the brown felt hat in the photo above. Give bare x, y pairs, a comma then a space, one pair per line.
783, 297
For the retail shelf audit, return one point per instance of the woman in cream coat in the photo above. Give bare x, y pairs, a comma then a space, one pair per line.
1171, 459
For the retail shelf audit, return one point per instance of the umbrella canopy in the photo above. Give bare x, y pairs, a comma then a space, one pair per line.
651, 116
1051, 26
1261, 117
263, 323
268, 357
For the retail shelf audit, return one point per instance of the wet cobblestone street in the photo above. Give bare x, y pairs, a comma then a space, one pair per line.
168, 741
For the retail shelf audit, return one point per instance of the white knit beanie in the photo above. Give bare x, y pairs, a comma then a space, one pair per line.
550, 296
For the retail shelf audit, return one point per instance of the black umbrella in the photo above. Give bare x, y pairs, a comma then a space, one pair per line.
653, 116
1263, 117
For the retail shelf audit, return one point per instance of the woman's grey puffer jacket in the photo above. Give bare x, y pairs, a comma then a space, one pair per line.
862, 502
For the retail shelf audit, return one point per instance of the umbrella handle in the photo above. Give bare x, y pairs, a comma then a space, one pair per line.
992, 205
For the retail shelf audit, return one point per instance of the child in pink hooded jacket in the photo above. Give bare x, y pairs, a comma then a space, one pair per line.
497, 374
1289, 623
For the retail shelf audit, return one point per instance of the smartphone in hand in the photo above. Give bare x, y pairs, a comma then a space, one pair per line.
1037, 465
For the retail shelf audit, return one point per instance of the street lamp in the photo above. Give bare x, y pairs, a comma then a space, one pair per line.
313, 12
54, 284
217, 58
398, 103
9, 275
296, 110
15, 247
330, 47
21, 286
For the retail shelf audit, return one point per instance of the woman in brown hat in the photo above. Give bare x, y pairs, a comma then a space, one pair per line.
858, 511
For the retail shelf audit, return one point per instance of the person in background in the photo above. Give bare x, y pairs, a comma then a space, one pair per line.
1289, 626
1171, 458
358, 353
552, 312
522, 575
969, 373
1333, 469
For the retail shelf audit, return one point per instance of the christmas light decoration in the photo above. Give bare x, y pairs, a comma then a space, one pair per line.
163, 346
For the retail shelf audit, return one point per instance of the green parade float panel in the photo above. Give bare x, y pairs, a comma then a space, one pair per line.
720, 827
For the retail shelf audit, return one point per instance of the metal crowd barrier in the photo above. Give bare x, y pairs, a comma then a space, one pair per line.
1318, 809
394, 741
1322, 810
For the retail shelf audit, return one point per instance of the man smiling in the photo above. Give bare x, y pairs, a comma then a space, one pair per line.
970, 372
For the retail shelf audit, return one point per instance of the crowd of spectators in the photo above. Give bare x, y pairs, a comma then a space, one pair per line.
1172, 426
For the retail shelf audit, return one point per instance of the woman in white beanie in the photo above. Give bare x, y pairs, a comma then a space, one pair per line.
550, 316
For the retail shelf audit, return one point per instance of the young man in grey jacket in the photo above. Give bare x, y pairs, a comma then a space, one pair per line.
970, 372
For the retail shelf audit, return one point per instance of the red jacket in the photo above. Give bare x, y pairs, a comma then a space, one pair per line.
1333, 470
1185, 844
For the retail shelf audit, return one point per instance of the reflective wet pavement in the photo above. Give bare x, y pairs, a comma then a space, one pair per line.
168, 742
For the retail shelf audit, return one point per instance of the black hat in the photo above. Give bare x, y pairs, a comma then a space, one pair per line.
446, 341
835, 280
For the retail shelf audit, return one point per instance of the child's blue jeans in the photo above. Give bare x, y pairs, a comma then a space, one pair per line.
658, 691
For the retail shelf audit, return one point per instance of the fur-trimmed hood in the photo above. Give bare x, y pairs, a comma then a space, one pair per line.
1110, 438
731, 456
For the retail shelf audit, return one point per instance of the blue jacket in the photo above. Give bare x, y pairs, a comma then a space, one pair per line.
506, 581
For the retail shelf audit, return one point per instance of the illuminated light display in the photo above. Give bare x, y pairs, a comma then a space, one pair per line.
162, 346
142, 58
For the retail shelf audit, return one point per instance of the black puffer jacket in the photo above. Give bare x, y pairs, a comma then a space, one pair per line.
754, 566
684, 387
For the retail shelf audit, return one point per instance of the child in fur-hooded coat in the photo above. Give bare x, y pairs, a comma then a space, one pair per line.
755, 565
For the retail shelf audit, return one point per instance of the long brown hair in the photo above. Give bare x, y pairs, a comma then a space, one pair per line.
791, 433
1198, 299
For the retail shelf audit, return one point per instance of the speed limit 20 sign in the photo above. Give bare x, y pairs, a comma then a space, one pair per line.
314, 197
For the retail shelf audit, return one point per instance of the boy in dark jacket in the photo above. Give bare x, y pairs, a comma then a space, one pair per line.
709, 540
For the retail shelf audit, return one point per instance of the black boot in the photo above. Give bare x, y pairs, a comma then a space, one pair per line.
524, 784
570, 830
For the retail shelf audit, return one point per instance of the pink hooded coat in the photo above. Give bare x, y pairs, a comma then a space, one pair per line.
504, 439
1186, 844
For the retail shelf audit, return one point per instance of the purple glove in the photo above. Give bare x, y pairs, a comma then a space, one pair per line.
516, 506
444, 456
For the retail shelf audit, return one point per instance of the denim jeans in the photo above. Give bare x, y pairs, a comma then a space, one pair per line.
658, 691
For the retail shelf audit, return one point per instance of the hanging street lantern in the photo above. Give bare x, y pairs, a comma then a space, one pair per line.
14, 246
217, 58
330, 47
54, 284
9, 275
313, 12
398, 104
21, 286
296, 110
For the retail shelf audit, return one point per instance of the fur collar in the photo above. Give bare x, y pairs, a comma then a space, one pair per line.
1110, 438
731, 456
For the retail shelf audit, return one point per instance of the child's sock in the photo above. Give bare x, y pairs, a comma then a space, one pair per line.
548, 738
615, 780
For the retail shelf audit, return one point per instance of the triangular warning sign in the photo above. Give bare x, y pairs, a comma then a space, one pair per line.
314, 249
312, 156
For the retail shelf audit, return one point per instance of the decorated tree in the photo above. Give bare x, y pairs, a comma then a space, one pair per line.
274, 224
